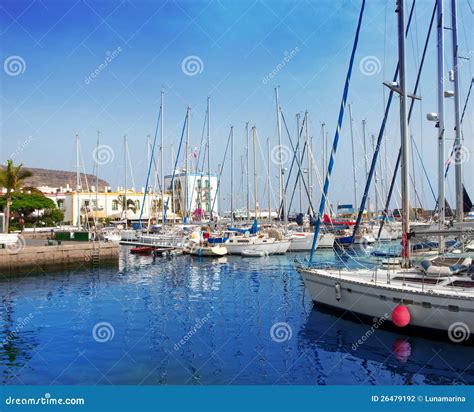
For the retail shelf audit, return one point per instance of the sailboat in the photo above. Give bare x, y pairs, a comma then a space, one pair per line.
438, 294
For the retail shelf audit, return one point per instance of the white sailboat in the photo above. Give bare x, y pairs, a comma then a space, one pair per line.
303, 241
438, 294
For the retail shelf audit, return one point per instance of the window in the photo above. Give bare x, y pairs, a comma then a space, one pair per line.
115, 204
207, 184
137, 204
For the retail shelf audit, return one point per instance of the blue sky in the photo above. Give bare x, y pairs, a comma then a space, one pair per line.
239, 43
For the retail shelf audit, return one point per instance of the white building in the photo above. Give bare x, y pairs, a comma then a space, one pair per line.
111, 205
199, 187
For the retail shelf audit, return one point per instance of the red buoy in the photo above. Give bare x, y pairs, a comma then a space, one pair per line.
400, 316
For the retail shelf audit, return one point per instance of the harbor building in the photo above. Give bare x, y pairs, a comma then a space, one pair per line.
197, 190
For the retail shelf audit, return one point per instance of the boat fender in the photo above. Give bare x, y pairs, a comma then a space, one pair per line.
337, 289
401, 316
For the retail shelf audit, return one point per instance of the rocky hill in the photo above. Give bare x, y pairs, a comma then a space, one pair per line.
59, 178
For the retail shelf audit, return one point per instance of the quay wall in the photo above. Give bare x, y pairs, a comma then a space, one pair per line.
43, 258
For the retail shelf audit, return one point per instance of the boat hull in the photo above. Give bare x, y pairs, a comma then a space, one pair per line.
427, 309
301, 242
276, 247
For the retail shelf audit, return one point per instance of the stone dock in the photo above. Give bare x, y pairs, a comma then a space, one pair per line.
24, 258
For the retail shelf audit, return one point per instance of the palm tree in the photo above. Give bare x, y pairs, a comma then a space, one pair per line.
12, 179
126, 204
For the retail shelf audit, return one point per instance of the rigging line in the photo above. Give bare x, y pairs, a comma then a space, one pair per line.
267, 168
298, 163
220, 172
176, 164
412, 103
149, 167
380, 137
336, 136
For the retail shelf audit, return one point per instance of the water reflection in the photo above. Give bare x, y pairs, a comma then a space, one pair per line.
409, 358
156, 307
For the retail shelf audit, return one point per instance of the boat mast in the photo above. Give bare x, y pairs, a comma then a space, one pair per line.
353, 157
209, 155
162, 166
231, 174
248, 169
96, 183
376, 181
255, 200
404, 137
268, 179
324, 194
441, 125
298, 134
309, 143
457, 122
186, 174
365, 163
125, 179
78, 181
280, 163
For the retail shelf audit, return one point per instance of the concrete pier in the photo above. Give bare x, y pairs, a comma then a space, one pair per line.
23, 258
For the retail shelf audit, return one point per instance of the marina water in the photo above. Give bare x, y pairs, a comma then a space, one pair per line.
197, 321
